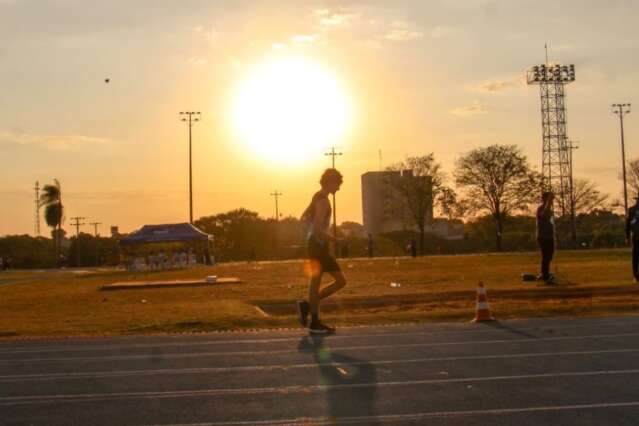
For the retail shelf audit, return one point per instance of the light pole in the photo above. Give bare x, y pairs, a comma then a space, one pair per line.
192, 117
573, 220
620, 110
276, 194
333, 154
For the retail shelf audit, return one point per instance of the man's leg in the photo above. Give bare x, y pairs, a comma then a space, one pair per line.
551, 254
313, 295
545, 259
338, 284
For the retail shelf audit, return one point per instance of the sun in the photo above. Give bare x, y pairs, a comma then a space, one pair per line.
289, 110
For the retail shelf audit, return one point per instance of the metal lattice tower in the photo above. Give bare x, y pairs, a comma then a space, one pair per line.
556, 150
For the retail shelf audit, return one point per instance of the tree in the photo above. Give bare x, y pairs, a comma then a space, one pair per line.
632, 175
449, 206
498, 180
420, 189
51, 199
587, 196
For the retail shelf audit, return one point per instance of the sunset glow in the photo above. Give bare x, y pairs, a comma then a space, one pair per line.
288, 110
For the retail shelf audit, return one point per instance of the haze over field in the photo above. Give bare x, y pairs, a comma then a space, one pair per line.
406, 77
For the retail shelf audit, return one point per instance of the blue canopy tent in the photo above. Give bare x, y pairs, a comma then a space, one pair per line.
168, 234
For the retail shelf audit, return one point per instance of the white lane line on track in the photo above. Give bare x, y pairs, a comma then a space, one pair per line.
181, 343
209, 370
413, 416
164, 356
284, 390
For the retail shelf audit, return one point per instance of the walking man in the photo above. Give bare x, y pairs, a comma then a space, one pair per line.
632, 226
318, 216
546, 235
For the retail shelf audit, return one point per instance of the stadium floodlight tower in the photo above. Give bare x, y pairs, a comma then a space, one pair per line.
556, 152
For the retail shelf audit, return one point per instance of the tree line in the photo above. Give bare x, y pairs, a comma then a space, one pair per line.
493, 189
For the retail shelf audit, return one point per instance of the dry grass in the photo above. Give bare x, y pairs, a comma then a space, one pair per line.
433, 288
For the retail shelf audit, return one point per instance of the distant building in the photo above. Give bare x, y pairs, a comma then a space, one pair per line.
384, 209
115, 232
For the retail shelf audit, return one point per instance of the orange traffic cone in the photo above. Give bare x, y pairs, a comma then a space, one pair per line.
482, 312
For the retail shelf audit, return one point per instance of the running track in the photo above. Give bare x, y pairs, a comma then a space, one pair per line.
533, 372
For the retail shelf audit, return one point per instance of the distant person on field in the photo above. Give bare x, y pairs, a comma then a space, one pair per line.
318, 217
632, 227
546, 234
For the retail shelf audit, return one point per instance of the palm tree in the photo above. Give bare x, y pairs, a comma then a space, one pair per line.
51, 199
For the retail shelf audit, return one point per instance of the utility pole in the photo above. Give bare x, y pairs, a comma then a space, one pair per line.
77, 225
192, 117
620, 110
37, 209
333, 154
95, 227
276, 194
97, 243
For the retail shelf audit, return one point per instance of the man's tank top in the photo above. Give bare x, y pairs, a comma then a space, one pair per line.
309, 214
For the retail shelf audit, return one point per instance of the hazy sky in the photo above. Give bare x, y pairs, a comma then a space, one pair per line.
422, 76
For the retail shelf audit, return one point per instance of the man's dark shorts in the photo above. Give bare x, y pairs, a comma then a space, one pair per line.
318, 251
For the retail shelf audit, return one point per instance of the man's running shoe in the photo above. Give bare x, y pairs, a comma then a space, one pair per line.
319, 328
302, 312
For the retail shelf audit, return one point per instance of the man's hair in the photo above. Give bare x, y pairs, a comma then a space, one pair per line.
331, 175
545, 195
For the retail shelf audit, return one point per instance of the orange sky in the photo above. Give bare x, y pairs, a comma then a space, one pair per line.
441, 76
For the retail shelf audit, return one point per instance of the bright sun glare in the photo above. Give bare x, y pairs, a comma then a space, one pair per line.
289, 110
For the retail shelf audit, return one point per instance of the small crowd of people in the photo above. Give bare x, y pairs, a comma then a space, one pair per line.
161, 261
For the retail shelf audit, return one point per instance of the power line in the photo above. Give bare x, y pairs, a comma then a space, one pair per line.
621, 110
192, 117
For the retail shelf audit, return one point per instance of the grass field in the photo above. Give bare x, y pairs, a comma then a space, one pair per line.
433, 288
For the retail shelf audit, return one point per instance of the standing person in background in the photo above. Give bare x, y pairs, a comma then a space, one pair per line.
546, 235
318, 217
632, 226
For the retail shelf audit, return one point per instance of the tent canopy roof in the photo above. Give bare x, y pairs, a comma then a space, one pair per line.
168, 233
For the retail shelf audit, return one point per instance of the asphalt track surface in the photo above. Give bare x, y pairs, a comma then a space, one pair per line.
532, 372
